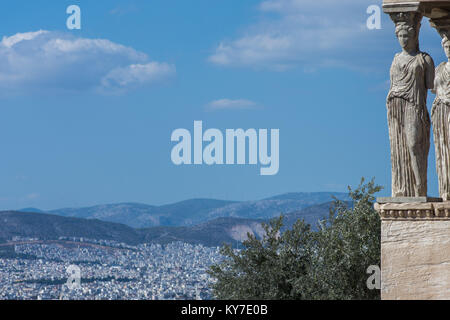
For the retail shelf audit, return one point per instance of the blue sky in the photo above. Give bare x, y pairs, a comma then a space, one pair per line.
86, 115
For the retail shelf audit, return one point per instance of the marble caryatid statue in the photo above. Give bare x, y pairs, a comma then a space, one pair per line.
440, 116
412, 74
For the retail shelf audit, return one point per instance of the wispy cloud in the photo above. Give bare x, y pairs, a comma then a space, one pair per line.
304, 33
32, 196
44, 60
121, 10
21, 177
122, 78
229, 104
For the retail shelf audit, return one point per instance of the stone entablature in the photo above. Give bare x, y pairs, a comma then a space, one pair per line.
438, 11
414, 211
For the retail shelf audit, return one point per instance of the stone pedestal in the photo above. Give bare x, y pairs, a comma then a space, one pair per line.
415, 251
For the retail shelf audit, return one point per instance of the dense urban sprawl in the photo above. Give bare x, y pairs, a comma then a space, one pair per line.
108, 270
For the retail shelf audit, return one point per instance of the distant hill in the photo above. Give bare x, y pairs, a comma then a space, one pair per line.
197, 211
36, 210
51, 227
132, 214
211, 233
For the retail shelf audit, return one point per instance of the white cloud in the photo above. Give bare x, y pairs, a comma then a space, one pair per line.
18, 37
136, 74
227, 104
306, 33
46, 60
32, 196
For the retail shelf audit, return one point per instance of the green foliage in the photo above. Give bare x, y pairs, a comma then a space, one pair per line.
302, 264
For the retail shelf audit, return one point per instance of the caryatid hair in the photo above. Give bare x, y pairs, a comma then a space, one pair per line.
412, 30
404, 27
408, 21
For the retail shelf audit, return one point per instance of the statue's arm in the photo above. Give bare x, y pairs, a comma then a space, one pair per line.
429, 72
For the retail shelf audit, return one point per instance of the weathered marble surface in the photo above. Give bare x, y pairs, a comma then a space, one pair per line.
414, 211
431, 8
440, 115
415, 239
412, 74
437, 10
415, 260
415, 250
383, 200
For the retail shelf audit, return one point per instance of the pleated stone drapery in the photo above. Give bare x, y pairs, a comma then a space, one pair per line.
409, 125
440, 115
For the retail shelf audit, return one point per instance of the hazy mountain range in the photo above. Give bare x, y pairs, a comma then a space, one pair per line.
196, 211
211, 233
198, 221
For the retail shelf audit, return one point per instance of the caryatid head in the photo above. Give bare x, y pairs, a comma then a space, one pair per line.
407, 37
407, 28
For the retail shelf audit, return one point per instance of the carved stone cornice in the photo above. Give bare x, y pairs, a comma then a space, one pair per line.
430, 8
442, 25
414, 211
392, 6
